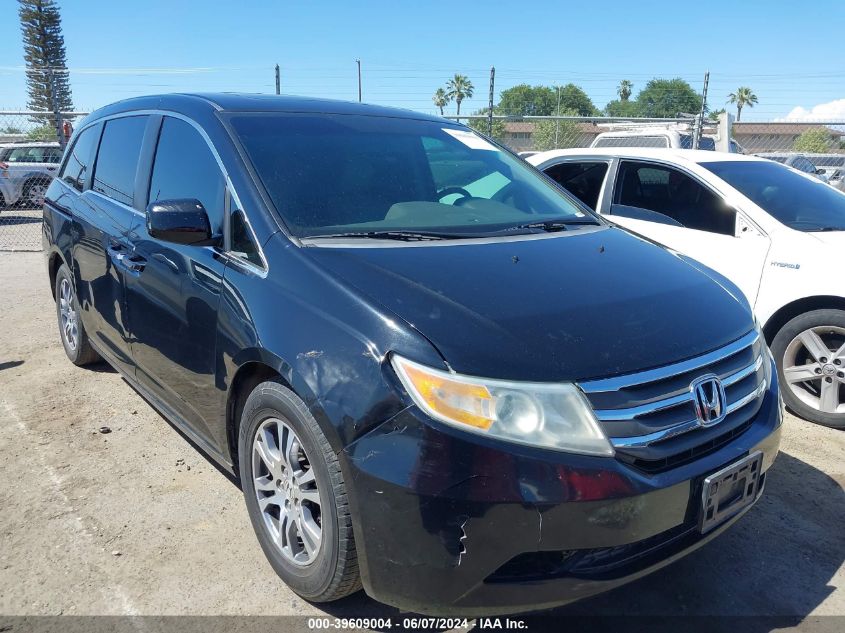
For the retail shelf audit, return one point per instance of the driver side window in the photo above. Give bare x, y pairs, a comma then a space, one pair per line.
673, 194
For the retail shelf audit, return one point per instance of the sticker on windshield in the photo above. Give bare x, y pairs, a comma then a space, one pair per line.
469, 139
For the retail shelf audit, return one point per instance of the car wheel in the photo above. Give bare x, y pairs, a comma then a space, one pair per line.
296, 496
810, 355
33, 194
72, 332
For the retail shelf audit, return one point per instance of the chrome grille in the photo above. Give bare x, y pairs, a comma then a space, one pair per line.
651, 415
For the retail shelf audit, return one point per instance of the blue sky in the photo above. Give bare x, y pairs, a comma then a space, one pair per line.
790, 54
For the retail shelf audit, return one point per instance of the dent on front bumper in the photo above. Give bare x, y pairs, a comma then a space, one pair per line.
448, 523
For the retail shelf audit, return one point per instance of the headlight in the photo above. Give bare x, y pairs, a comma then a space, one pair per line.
548, 415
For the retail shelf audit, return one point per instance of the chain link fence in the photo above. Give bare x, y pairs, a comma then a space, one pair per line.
31, 147
814, 147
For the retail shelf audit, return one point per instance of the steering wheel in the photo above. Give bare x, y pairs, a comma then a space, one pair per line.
448, 191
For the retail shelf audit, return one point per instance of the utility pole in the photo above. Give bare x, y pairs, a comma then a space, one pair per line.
358, 61
699, 123
490, 102
278, 81
557, 120
57, 115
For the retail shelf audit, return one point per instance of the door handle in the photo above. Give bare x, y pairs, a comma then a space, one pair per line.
116, 251
126, 259
133, 263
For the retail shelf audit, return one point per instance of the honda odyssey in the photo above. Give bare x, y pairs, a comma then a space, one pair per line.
435, 374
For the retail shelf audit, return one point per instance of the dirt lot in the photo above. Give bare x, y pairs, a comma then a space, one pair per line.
137, 522
20, 229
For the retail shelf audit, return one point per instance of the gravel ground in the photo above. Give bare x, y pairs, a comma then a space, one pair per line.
138, 522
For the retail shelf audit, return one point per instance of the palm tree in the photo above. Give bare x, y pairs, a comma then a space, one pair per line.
441, 99
744, 96
625, 89
459, 88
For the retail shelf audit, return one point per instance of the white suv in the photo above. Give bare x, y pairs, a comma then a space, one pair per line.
26, 170
776, 233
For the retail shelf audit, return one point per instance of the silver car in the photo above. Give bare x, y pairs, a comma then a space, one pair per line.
26, 170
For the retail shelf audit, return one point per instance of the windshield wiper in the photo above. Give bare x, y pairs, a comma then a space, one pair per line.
554, 225
404, 236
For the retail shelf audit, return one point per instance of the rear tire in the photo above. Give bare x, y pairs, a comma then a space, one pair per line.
291, 477
812, 347
71, 331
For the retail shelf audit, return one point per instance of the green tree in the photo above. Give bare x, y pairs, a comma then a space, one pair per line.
46, 132
619, 108
525, 100
557, 134
480, 125
816, 140
441, 99
44, 53
713, 115
12, 129
667, 98
744, 96
574, 99
625, 89
459, 88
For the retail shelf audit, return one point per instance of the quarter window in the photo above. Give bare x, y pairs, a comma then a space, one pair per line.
673, 194
185, 168
76, 169
117, 160
243, 244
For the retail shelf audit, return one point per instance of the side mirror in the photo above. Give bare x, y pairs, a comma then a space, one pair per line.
183, 221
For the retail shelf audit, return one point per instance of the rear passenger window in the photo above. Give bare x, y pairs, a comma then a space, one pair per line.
583, 180
673, 194
76, 169
117, 160
185, 168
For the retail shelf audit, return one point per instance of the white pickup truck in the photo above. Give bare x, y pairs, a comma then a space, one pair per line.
776, 233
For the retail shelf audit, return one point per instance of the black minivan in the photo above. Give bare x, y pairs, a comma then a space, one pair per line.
435, 373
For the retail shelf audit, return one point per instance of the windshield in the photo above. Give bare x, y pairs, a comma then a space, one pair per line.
351, 174
799, 202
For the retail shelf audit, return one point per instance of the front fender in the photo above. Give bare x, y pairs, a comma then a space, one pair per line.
329, 343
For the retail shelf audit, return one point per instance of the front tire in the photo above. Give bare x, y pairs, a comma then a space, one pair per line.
296, 496
810, 355
71, 331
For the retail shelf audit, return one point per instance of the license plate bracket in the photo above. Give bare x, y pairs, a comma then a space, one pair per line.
730, 490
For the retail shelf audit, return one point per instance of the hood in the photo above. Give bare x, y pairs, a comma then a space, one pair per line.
586, 304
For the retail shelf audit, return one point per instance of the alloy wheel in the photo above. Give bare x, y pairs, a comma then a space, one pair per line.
69, 322
814, 368
35, 195
286, 491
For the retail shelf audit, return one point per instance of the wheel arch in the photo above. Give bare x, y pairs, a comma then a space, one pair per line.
54, 262
786, 313
257, 366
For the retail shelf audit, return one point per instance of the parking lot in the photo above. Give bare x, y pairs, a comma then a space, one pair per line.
19, 229
136, 521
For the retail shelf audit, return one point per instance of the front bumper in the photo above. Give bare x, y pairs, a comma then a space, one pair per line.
451, 523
